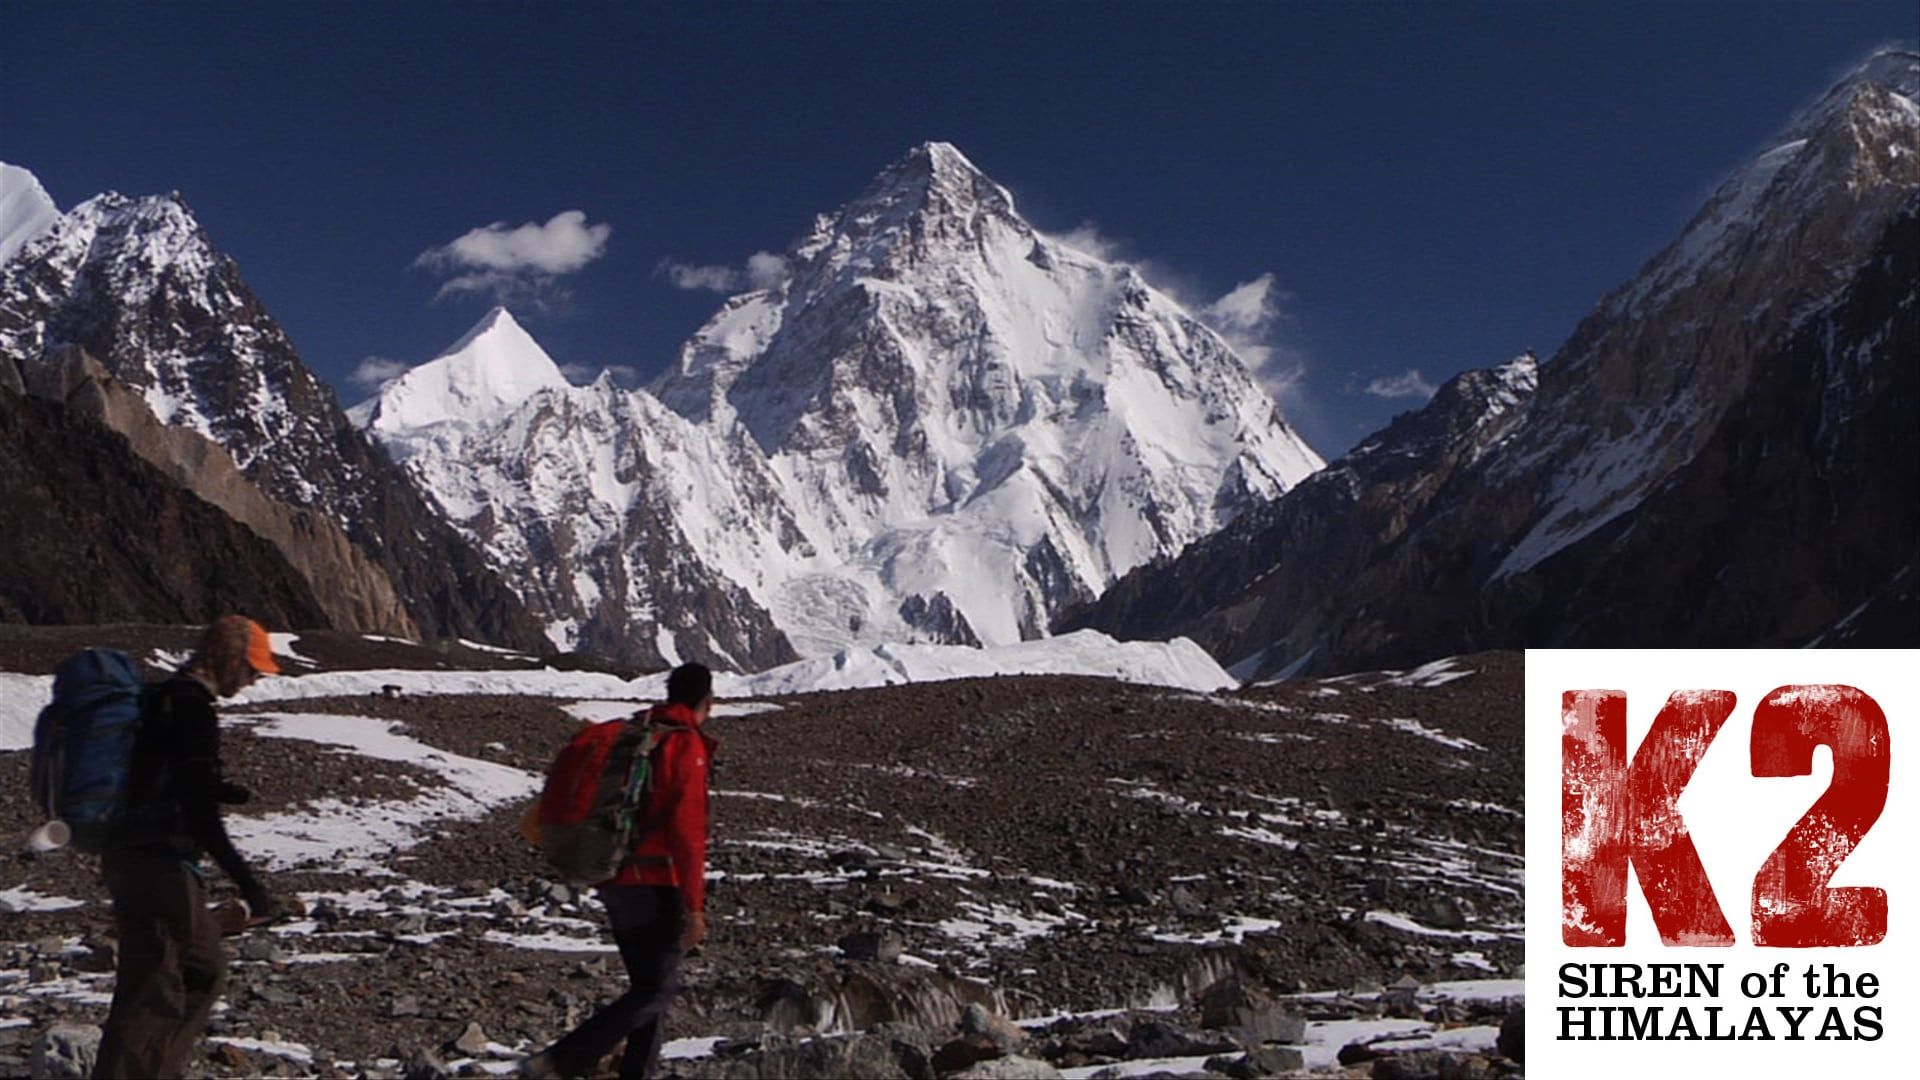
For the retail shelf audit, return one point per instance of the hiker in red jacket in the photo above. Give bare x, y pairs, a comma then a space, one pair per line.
656, 904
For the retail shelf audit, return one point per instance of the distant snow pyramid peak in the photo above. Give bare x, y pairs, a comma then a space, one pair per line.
492, 368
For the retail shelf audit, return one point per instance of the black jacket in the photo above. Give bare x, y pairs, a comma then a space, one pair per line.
175, 783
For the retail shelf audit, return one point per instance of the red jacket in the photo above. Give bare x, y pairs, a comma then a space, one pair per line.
673, 848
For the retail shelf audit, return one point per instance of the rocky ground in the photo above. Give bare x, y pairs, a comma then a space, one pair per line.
1263, 871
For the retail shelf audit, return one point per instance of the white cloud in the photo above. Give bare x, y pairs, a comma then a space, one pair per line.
764, 270
519, 264
1251, 307
375, 372
720, 279
1248, 317
624, 375
1408, 384
1088, 238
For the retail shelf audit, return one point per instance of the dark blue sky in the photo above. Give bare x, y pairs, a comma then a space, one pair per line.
1432, 186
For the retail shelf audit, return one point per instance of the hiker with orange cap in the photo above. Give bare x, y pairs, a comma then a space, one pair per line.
172, 965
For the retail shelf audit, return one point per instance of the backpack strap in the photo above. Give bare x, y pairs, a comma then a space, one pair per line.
640, 780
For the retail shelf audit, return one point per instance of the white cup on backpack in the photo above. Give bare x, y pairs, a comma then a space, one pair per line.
52, 836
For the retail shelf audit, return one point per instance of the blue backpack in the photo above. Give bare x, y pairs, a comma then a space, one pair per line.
83, 743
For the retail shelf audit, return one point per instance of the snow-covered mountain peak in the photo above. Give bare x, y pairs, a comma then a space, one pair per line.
26, 210
134, 242
1896, 67
481, 378
931, 199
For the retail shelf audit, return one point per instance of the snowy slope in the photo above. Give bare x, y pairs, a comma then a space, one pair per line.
940, 426
962, 406
494, 367
26, 210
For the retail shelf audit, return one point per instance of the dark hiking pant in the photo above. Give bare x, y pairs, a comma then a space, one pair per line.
647, 922
172, 966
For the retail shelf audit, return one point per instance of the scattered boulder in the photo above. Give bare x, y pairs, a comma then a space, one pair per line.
66, 1052
102, 955
1158, 1039
977, 1019
232, 1057
1261, 1061
964, 1052
880, 946
472, 1041
1185, 903
1009, 1068
1434, 1065
426, 1065
785, 1005
1230, 1005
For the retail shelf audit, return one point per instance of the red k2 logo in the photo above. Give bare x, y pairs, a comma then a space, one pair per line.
1615, 812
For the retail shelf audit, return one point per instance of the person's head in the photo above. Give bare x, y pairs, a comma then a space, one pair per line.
690, 685
234, 651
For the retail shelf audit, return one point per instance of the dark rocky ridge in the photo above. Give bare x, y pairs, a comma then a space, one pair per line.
95, 534
228, 356
1759, 403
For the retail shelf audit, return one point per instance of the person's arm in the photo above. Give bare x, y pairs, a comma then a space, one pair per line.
201, 785
684, 765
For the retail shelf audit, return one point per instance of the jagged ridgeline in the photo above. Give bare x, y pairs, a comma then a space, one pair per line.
123, 314
1722, 454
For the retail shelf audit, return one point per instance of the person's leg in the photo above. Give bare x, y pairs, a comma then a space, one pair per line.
149, 994
203, 973
646, 924
652, 956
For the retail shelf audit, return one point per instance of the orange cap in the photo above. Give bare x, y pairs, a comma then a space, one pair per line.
260, 650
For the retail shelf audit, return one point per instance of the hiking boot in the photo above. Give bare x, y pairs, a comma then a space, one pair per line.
540, 1066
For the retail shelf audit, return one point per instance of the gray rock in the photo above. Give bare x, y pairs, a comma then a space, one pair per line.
1433, 1065
425, 1065
404, 1005
1185, 903
102, 955
964, 1053
1261, 1061
882, 946
1009, 1068
1252, 1017
1157, 1038
262, 949
66, 1052
472, 1041
977, 1019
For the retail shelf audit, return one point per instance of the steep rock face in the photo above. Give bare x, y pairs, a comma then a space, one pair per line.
1274, 585
95, 534
353, 592
136, 283
1710, 460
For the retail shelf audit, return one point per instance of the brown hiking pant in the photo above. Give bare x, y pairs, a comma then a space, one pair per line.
172, 966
